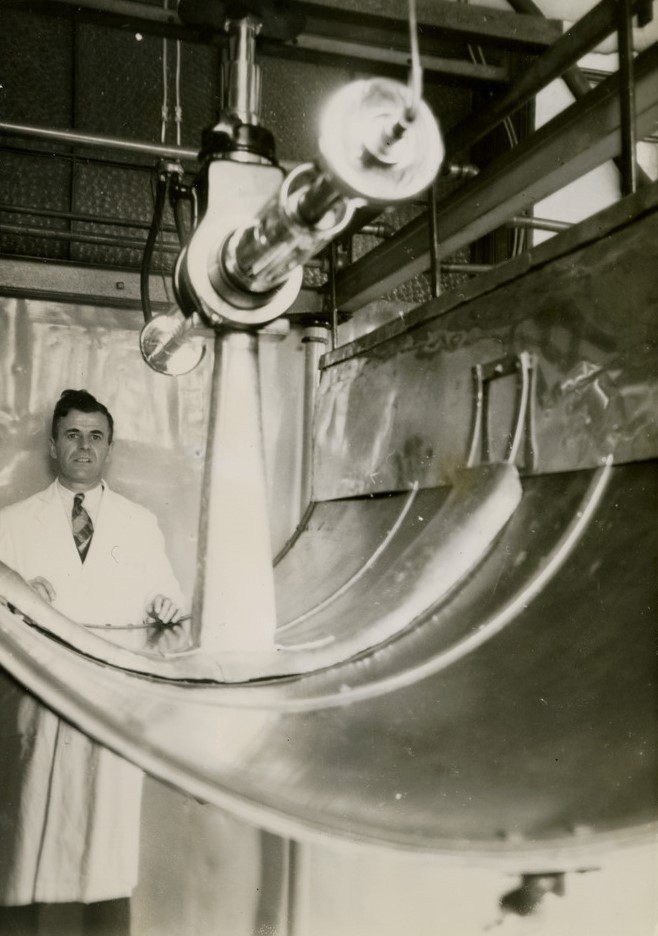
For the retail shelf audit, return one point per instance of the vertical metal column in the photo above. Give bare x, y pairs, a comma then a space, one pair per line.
234, 595
627, 99
243, 80
333, 266
577, 82
435, 265
316, 342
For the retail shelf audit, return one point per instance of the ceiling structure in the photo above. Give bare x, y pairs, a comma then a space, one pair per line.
85, 83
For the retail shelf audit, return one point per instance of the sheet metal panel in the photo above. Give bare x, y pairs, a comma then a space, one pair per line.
398, 407
161, 422
160, 427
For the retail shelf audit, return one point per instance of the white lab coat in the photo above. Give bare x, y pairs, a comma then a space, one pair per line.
77, 823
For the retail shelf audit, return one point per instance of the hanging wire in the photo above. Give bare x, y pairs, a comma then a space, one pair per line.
165, 99
178, 109
416, 73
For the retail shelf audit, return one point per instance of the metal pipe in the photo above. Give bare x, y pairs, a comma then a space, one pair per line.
46, 133
379, 229
127, 9
121, 243
243, 74
435, 264
81, 218
74, 236
333, 256
540, 224
97, 141
467, 267
627, 158
87, 159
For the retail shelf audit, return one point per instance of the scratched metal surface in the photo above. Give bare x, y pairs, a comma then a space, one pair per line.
397, 407
537, 749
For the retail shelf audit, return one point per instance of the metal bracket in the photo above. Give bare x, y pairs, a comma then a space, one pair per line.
522, 367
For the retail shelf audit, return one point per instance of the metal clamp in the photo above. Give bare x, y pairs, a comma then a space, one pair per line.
522, 367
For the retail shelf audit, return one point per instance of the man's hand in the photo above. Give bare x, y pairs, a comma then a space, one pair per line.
163, 611
43, 588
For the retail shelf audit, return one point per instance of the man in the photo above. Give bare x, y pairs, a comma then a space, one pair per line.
99, 559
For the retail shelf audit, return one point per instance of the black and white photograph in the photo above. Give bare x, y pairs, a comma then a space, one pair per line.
328, 491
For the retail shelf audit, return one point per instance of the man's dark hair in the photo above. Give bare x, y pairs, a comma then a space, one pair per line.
83, 402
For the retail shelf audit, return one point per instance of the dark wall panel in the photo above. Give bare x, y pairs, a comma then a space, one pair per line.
37, 80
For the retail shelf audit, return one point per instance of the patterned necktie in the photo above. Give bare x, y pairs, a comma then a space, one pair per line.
83, 528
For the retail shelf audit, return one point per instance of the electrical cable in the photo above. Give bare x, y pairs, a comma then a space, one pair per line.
156, 224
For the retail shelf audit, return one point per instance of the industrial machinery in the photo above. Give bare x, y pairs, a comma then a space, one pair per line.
453, 652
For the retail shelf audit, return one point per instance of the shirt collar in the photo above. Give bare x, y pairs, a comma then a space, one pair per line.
91, 502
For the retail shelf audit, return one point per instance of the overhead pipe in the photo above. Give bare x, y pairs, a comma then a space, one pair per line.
97, 141
129, 243
540, 224
81, 218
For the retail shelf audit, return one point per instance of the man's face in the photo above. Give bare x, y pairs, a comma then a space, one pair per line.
81, 449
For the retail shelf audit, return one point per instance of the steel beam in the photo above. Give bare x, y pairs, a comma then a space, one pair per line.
579, 139
82, 285
105, 289
453, 21
575, 78
580, 39
378, 58
627, 99
382, 25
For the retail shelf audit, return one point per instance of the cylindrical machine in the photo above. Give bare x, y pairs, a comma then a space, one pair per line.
243, 77
261, 256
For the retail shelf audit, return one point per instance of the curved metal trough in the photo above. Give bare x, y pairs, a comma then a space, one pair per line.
542, 739
464, 669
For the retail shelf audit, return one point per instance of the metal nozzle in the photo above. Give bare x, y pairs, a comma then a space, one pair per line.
167, 346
